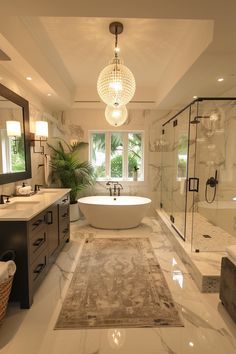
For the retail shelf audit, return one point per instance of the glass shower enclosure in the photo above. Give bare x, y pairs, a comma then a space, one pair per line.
198, 162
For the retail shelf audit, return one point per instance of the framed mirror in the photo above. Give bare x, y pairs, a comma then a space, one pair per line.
15, 163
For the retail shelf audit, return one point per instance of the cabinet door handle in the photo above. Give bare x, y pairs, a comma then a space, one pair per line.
49, 217
38, 222
39, 268
65, 214
64, 200
38, 242
65, 230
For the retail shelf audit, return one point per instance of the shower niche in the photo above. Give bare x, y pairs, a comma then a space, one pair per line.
198, 162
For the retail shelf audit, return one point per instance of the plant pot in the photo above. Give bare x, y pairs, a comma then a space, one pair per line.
74, 212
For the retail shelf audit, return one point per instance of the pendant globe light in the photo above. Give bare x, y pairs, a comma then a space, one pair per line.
116, 83
116, 116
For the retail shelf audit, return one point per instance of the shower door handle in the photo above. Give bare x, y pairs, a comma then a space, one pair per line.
193, 184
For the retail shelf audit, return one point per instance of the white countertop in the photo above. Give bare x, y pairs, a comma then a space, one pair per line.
25, 208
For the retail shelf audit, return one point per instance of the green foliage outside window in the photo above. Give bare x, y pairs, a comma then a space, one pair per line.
134, 154
18, 158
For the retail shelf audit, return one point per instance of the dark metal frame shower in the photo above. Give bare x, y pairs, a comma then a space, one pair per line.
179, 194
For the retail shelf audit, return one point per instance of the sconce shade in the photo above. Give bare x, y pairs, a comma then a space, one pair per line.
116, 84
116, 116
41, 128
13, 128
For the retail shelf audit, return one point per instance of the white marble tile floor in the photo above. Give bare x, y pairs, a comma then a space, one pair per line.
207, 329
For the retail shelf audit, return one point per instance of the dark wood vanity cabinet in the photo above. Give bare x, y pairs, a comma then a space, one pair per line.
52, 221
35, 245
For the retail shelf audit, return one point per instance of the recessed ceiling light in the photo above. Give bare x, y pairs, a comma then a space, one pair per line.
195, 97
220, 79
29, 78
191, 344
49, 94
234, 198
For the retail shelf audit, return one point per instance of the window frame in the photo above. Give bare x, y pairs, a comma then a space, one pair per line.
125, 134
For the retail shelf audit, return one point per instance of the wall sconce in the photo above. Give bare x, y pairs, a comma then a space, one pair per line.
13, 131
41, 131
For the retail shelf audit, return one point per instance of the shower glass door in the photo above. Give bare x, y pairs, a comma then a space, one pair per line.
179, 177
174, 170
167, 168
214, 216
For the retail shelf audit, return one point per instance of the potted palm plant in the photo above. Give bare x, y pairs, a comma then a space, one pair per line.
69, 172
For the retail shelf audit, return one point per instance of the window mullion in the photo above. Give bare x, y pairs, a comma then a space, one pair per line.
108, 154
125, 156
142, 155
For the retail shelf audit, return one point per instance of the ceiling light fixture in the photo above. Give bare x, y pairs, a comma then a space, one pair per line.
116, 83
29, 78
116, 116
195, 97
220, 79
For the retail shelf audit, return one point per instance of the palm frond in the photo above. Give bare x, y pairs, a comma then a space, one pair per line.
67, 170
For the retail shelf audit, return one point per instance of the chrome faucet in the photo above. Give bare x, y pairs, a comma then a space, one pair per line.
2, 196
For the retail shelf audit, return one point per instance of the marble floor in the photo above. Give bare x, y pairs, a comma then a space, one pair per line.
207, 327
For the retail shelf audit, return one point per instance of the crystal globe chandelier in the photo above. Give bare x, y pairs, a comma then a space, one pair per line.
116, 116
116, 83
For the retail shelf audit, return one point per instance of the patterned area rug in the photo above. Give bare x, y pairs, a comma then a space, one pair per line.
118, 283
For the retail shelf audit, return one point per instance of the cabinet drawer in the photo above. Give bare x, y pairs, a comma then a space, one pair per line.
37, 242
64, 200
36, 223
38, 270
64, 212
64, 230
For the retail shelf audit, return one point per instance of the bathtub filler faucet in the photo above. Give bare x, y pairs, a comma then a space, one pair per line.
114, 188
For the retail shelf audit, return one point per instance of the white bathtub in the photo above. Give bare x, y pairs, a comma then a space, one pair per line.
121, 212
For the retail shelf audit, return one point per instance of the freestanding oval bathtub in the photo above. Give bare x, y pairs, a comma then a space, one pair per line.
121, 212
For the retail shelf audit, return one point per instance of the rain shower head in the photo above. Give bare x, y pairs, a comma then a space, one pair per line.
196, 119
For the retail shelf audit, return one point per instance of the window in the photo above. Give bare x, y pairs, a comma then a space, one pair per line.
116, 155
12, 153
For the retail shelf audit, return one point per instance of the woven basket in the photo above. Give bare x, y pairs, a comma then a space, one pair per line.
5, 289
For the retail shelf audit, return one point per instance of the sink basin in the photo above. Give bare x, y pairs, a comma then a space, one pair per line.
21, 205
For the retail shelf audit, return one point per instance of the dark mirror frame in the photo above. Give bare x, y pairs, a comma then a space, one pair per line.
20, 101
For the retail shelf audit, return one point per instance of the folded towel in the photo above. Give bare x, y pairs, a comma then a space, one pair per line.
24, 190
231, 250
7, 269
